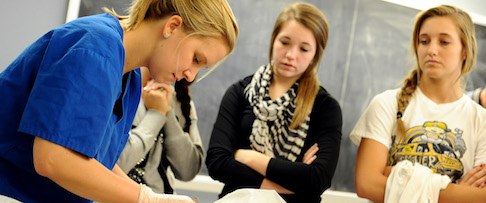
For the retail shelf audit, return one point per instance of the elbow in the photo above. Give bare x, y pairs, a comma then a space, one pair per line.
187, 176
43, 165
43, 159
362, 189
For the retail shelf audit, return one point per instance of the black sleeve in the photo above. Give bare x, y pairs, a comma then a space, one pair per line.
226, 137
325, 129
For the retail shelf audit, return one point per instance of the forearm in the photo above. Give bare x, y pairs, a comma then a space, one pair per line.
462, 193
119, 172
310, 179
141, 139
80, 175
371, 170
183, 150
223, 167
370, 186
253, 159
270, 185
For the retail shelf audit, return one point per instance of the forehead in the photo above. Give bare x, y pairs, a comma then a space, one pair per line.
297, 31
439, 25
212, 48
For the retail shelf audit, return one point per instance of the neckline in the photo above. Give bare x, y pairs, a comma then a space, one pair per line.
428, 100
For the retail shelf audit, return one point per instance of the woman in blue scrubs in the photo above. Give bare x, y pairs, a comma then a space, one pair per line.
68, 101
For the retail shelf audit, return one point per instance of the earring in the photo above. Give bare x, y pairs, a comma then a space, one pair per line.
166, 35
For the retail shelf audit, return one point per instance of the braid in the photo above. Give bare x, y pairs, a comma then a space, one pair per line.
182, 95
409, 86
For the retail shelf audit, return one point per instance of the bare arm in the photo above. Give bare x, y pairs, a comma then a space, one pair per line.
118, 171
369, 178
81, 175
253, 159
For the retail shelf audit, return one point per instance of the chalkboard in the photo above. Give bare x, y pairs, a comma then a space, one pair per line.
367, 53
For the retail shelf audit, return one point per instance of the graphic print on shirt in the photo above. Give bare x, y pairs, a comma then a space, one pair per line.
432, 145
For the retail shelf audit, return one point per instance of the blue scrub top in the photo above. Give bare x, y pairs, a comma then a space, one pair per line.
68, 87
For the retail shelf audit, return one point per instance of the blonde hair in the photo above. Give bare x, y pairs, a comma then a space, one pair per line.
467, 33
313, 19
208, 18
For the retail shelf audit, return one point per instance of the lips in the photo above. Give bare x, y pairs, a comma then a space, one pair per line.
286, 65
432, 62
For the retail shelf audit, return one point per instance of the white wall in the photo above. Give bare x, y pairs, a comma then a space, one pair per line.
475, 8
23, 21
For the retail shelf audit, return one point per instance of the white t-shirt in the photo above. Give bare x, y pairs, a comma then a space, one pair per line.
436, 135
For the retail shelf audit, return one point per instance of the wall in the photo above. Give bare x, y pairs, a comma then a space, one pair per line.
366, 54
23, 21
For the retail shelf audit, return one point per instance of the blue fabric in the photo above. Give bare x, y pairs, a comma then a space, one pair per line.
68, 87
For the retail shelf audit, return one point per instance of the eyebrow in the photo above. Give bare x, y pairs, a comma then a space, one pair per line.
306, 43
440, 34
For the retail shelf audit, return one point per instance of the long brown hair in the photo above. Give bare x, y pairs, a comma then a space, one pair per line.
467, 33
313, 19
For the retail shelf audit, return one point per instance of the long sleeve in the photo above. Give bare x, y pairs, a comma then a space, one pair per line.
325, 129
183, 150
228, 136
141, 138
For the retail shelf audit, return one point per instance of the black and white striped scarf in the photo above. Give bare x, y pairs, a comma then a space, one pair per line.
271, 133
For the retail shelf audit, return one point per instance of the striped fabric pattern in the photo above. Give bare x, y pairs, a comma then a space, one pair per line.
271, 134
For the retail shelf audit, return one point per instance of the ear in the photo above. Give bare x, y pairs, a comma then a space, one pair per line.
464, 54
172, 24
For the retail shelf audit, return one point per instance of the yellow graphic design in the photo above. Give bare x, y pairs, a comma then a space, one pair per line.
432, 145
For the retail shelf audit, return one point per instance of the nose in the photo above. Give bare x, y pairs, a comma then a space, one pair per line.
190, 74
291, 53
433, 49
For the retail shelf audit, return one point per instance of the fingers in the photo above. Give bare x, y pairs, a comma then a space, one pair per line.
152, 85
310, 160
475, 177
310, 154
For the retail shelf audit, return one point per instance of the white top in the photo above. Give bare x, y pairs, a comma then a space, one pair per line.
436, 133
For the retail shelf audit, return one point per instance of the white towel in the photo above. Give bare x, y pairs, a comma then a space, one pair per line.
247, 195
410, 182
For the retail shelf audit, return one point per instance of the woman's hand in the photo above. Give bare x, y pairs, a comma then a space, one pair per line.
148, 196
310, 154
157, 96
475, 177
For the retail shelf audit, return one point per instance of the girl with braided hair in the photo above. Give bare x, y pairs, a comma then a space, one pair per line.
164, 135
426, 142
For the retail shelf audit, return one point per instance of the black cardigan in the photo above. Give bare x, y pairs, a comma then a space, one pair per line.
233, 128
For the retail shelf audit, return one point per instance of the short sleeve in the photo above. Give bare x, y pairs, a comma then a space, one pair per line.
72, 99
480, 153
378, 120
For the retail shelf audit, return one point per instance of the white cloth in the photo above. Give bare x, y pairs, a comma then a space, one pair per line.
414, 183
251, 195
463, 118
5, 199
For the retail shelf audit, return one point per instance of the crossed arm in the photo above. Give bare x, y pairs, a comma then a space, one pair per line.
259, 162
371, 174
